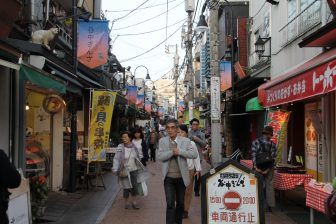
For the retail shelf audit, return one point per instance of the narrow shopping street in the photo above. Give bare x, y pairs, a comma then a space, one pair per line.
152, 207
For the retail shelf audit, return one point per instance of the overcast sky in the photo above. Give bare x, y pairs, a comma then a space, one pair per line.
125, 47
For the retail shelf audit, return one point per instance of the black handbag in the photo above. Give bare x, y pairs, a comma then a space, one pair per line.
264, 158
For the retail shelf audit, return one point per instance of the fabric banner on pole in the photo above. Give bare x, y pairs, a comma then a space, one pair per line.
278, 120
181, 106
131, 96
225, 73
102, 106
140, 101
148, 106
92, 42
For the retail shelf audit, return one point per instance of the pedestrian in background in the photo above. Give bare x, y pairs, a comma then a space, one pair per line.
198, 137
140, 142
180, 120
194, 166
153, 139
263, 157
128, 167
173, 152
9, 178
162, 129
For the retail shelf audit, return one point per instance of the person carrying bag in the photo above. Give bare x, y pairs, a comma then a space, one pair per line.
129, 169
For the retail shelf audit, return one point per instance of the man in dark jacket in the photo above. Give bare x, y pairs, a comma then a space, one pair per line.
261, 148
9, 178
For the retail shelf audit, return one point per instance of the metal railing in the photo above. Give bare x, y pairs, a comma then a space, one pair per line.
302, 23
64, 36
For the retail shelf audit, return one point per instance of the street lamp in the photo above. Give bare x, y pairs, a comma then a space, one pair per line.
202, 25
147, 76
260, 47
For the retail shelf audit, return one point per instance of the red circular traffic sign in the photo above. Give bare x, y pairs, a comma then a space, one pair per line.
232, 200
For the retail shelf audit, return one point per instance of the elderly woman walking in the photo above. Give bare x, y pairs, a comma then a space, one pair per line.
129, 169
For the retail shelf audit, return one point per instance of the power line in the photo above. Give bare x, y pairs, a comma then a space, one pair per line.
130, 12
128, 59
151, 31
195, 11
259, 10
126, 10
167, 20
154, 17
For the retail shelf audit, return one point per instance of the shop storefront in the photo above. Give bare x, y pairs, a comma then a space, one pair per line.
307, 91
43, 140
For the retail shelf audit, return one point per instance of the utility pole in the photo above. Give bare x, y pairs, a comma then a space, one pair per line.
176, 65
190, 8
216, 144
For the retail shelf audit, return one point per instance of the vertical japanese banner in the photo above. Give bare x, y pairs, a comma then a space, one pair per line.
278, 120
140, 101
148, 106
92, 46
131, 96
102, 106
225, 74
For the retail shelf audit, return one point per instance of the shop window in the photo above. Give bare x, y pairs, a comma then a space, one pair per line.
302, 15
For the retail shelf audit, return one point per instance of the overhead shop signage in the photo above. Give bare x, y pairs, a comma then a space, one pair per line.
92, 42
232, 194
316, 81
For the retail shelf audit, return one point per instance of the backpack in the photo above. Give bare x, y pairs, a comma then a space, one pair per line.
264, 158
330, 205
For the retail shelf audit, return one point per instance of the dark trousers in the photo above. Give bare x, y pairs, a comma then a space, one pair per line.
174, 190
152, 152
197, 185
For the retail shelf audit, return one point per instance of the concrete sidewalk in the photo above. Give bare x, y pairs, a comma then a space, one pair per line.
82, 207
153, 207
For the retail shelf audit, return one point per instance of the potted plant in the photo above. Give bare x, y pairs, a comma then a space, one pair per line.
39, 195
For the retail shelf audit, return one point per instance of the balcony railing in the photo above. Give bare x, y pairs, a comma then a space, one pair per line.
302, 23
64, 36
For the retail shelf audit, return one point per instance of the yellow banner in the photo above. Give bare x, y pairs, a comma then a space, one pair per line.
102, 106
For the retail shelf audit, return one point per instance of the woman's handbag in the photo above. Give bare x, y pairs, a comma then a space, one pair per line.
123, 172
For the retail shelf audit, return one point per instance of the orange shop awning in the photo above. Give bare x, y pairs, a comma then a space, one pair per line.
314, 77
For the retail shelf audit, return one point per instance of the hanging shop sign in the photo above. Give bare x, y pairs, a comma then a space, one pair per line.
312, 82
53, 103
102, 106
232, 193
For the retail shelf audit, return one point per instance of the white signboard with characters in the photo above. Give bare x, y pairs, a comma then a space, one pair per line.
232, 195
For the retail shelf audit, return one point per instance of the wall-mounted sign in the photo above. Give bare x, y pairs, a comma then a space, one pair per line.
53, 103
232, 194
215, 98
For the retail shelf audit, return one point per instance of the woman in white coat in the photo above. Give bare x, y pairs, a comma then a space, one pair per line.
128, 158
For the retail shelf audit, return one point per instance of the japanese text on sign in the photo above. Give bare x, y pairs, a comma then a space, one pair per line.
232, 197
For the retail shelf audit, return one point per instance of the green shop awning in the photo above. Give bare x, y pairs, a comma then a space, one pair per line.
253, 104
37, 78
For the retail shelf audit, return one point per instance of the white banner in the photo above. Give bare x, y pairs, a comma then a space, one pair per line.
215, 98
